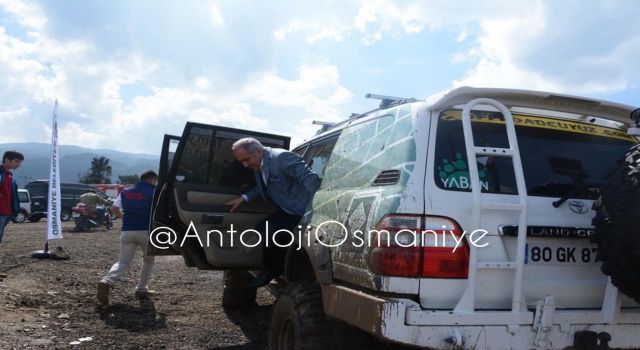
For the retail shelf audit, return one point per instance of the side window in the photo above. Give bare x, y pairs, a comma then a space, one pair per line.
207, 158
193, 166
173, 145
300, 150
225, 170
38, 190
67, 193
318, 155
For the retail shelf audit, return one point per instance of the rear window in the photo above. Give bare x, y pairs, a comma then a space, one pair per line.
557, 154
37, 189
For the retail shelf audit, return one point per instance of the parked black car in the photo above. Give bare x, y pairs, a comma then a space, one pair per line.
71, 193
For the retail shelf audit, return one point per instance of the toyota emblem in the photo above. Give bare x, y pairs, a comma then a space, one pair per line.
578, 207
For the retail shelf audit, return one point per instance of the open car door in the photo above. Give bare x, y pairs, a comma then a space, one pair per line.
160, 213
189, 200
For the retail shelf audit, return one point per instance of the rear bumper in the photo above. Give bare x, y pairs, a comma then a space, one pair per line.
403, 321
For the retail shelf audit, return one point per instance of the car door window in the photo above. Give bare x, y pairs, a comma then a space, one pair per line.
208, 162
318, 154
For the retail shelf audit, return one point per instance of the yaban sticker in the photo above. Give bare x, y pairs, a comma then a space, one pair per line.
542, 123
454, 174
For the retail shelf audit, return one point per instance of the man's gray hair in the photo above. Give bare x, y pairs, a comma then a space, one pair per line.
249, 144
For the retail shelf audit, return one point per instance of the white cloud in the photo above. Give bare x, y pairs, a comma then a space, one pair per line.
317, 93
542, 50
386, 17
316, 29
74, 133
216, 15
27, 14
107, 96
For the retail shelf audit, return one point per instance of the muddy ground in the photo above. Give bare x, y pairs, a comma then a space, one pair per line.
47, 304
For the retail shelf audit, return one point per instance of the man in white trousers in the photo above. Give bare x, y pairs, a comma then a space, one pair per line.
133, 205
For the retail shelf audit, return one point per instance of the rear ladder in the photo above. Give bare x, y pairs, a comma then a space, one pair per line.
466, 304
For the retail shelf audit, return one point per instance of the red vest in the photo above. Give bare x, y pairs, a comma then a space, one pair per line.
6, 193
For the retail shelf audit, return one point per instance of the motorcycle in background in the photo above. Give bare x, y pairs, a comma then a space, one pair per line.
85, 221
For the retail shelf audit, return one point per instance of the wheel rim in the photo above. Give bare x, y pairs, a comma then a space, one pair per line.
20, 217
286, 336
65, 216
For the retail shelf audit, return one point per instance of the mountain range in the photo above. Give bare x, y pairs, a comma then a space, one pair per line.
74, 161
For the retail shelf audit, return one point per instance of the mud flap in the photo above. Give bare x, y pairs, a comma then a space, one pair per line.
543, 320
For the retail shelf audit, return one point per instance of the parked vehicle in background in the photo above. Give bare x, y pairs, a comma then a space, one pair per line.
112, 190
392, 247
25, 206
70, 195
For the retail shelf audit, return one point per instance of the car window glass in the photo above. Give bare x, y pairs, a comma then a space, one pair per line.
300, 150
552, 151
195, 157
37, 190
318, 155
173, 145
23, 197
225, 170
207, 158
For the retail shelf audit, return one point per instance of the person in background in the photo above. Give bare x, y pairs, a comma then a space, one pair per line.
9, 202
133, 205
92, 200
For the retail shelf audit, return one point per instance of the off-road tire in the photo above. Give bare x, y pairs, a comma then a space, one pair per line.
34, 218
617, 225
235, 294
298, 320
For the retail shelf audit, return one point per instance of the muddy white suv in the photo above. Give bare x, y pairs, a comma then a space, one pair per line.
463, 221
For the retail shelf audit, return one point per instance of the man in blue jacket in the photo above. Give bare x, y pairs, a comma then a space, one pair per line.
133, 205
9, 202
284, 179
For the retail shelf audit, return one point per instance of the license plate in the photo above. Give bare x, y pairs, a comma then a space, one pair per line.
558, 254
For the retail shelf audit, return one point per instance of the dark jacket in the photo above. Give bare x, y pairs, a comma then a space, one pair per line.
290, 182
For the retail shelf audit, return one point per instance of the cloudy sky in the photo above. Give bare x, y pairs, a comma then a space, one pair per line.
127, 72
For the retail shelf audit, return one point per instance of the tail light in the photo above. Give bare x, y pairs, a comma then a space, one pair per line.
441, 258
387, 257
418, 246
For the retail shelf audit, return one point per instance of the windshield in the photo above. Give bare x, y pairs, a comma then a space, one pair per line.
557, 155
23, 197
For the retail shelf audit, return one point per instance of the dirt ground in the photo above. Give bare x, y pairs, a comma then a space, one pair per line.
47, 304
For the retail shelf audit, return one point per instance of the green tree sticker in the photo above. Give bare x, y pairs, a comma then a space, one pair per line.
455, 174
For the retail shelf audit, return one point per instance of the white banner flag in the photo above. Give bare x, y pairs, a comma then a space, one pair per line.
54, 227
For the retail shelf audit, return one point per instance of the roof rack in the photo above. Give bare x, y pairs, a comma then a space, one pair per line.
388, 101
385, 102
324, 126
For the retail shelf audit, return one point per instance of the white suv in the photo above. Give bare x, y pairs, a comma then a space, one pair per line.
25, 206
483, 197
